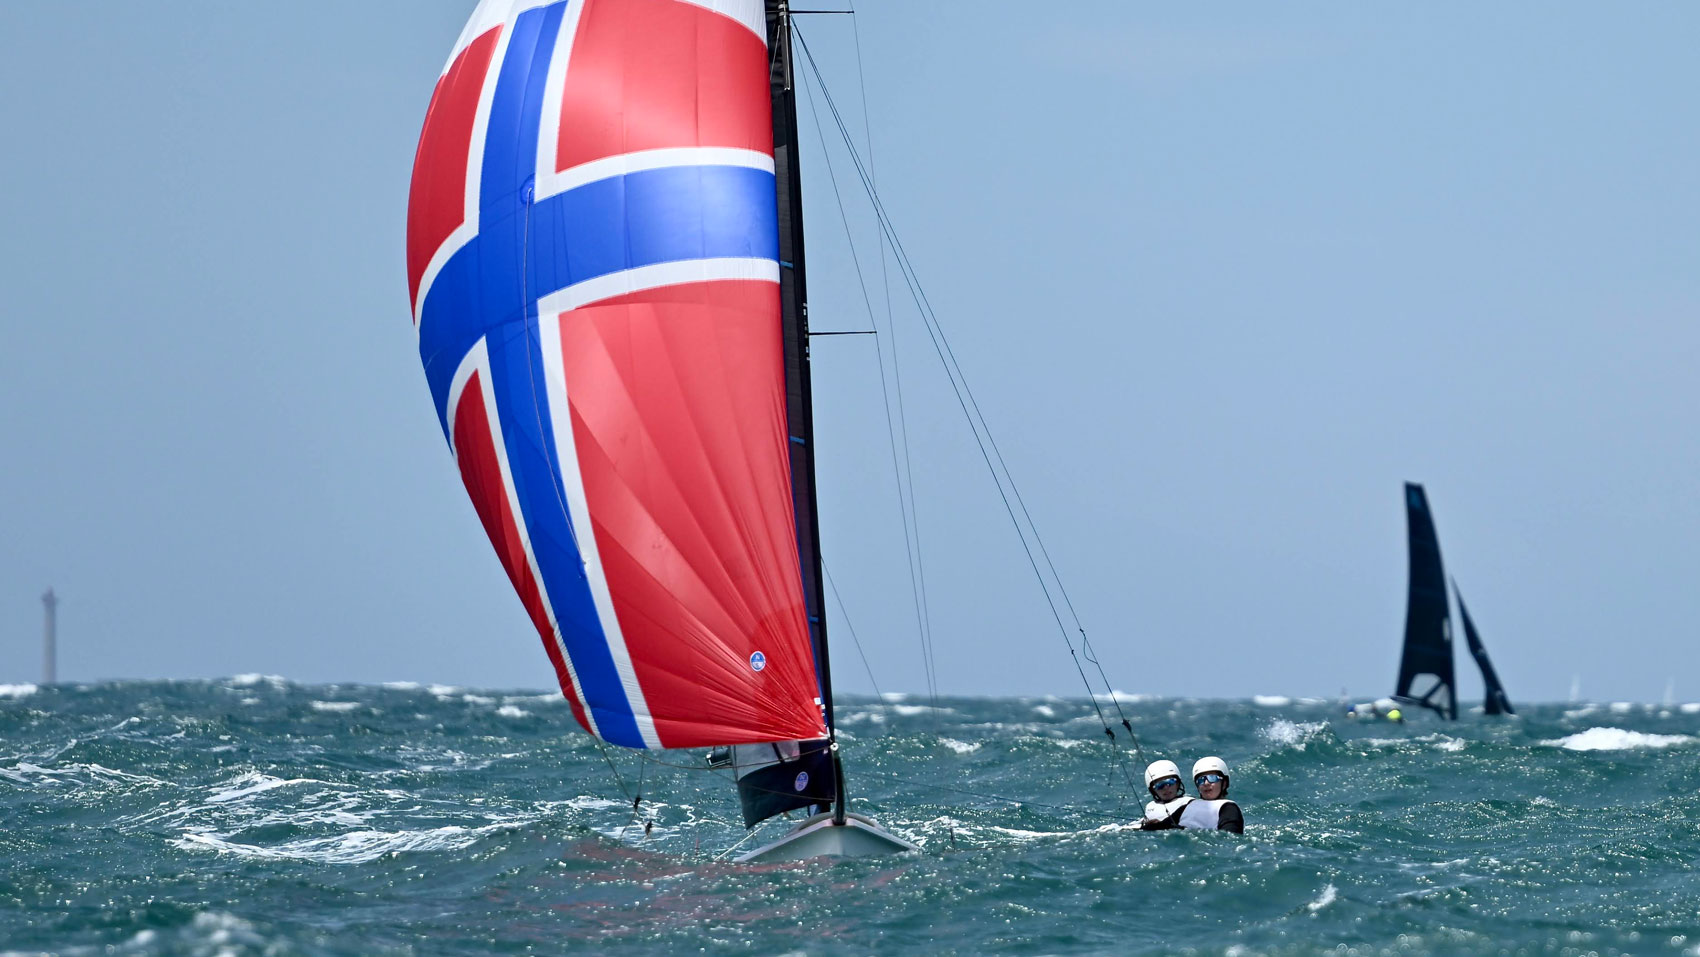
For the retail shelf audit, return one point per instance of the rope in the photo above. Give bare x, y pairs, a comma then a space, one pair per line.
905, 507
971, 410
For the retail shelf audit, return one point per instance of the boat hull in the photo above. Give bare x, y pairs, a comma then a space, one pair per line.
818, 836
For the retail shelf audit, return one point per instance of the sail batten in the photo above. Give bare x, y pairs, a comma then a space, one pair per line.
594, 222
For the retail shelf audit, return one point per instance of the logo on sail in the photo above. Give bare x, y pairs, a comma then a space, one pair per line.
801, 782
758, 661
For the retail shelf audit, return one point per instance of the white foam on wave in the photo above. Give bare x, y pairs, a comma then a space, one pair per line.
1292, 733
29, 774
916, 710
1617, 739
355, 847
1328, 896
337, 706
254, 783
893, 697
1123, 697
477, 699
249, 680
1692, 707
1044, 711
509, 711
1622, 707
403, 685
443, 691
1271, 700
960, 747
16, 691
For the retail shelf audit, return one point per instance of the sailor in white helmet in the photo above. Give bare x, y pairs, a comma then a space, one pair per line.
1168, 795
1210, 811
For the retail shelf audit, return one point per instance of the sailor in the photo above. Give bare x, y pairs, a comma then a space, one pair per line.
1168, 796
1212, 810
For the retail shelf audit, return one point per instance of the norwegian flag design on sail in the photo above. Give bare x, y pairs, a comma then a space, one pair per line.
592, 256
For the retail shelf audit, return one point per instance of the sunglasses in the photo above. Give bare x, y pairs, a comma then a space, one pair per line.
1209, 777
1170, 782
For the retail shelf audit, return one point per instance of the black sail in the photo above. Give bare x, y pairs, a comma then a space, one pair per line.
1425, 667
1494, 699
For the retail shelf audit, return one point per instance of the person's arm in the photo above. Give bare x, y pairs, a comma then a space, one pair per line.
1229, 818
1173, 821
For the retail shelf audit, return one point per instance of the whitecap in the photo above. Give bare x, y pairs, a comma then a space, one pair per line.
509, 711
1123, 696
1622, 707
477, 699
340, 706
251, 784
355, 847
1044, 711
1692, 707
1329, 895
914, 710
1617, 739
960, 747
16, 691
895, 696
249, 680
402, 685
443, 691
1282, 731
1271, 700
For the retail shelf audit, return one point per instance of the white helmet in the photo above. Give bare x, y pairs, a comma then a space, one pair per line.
1158, 770
1211, 763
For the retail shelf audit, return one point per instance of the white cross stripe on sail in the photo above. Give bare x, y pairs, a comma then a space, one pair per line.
478, 360
468, 227
578, 512
654, 277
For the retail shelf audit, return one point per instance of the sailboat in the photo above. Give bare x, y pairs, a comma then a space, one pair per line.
606, 266
1426, 674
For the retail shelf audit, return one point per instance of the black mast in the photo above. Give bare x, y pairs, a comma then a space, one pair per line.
799, 404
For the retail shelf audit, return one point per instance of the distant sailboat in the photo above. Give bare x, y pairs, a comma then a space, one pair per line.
605, 254
1426, 674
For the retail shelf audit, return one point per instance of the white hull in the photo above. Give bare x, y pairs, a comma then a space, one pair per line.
858, 836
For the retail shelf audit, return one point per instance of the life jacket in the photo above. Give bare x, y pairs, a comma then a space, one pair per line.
1202, 815
1159, 810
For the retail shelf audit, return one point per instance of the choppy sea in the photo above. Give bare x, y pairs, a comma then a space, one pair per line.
254, 816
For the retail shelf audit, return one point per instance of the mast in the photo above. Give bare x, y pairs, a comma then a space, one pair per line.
50, 639
799, 402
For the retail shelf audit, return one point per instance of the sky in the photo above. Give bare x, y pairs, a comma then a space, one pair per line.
1222, 277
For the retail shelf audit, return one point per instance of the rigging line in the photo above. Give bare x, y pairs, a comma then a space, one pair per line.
928, 661
896, 368
844, 612
602, 749
959, 384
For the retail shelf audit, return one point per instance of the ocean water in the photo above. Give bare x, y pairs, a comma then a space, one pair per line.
256, 816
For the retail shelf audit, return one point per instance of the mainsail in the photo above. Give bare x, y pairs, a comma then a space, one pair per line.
1425, 667
594, 257
1494, 699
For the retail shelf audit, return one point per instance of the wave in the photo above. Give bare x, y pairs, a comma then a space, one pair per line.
1271, 700
960, 747
1617, 739
355, 847
1293, 733
337, 706
17, 691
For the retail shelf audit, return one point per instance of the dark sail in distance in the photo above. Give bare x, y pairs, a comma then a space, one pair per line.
1425, 667
1494, 699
